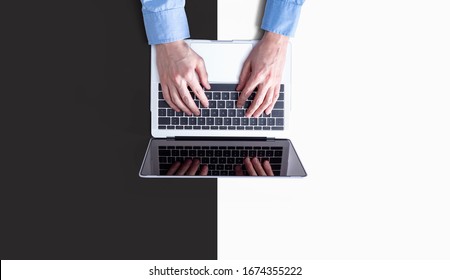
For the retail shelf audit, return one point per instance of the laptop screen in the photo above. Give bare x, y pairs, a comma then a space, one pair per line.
170, 157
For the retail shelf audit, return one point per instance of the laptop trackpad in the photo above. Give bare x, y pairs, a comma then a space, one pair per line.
223, 60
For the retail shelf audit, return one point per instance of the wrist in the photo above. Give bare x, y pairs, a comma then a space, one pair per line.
275, 38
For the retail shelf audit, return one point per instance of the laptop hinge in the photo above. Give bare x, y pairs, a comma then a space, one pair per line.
221, 138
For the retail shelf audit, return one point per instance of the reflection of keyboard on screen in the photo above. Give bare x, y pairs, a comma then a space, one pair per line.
221, 160
222, 113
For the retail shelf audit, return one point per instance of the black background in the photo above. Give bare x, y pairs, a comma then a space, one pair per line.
75, 125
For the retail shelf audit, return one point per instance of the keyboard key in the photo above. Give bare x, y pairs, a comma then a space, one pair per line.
234, 96
271, 121
236, 121
216, 95
279, 105
214, 127
214, 112
232, 113
220, 104
205, 113
219, 121
231, 128
179, 114
192, 121
279, 122
225, 95
244, 121
160, 95
210, 121
277, 128
222, 127
205, 127
240, 128
253, 121
229, 104
249, 128
188, 127
162, 112
266, 127
164, 153
183, 121
179, 127
257, 128
170, 112
163, 104
201, 121
212, 104
163, 121
277, 113
227, 121
161, 127
262, 121
223, 112
170, 127
240, 113
208, 95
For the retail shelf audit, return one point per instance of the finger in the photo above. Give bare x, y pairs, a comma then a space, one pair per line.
268, 168
176, 99
245, 74
258, 167
198, 91
202, 74
203, 170
238, 170
249, 166
184, 167
187, 99
251, 84
168, 99
276, 94
173, 168
257, 101
266, 103
193, 168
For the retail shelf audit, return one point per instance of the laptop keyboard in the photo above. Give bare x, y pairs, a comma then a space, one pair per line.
222, 113
221, 160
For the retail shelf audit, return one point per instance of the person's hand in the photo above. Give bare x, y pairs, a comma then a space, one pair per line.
188, 168
178, 65
263, 69
254, 168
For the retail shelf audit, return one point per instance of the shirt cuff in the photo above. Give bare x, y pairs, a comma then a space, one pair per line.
166, 26
281, 16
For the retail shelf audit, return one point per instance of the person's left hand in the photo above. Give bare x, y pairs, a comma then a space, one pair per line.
263, 69
254, 168
188, 168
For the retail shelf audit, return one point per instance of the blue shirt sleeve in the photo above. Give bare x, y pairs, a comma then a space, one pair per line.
165, 21
281, 16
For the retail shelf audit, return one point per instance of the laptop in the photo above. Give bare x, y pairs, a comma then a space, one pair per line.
221, 141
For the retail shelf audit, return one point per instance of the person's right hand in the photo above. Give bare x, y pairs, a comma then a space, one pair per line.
178, 65
254, 168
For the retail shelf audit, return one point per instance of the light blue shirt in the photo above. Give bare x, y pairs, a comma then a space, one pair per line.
165, 20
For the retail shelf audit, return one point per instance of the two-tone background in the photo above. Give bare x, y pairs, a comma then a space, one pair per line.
371, 109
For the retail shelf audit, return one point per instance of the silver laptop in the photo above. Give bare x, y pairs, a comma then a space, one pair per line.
221, 141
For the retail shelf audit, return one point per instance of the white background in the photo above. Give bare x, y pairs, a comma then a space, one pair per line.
372, 110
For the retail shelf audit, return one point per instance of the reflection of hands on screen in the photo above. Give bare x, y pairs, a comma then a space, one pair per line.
178, 65
263, 69
254, 168
188, 168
